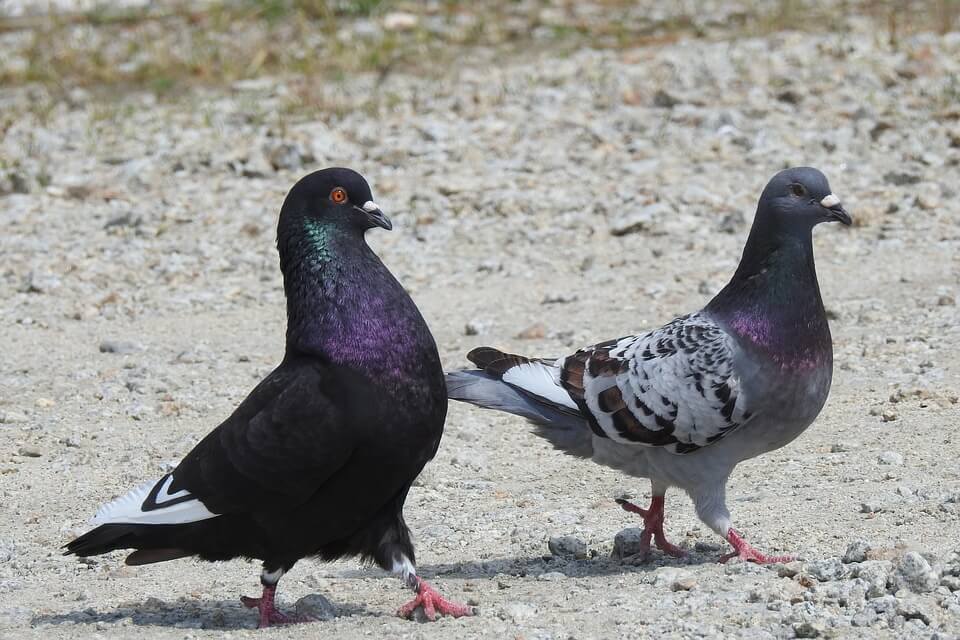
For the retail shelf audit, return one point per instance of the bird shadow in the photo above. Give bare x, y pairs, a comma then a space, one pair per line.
186, 613
183, 613
548, 565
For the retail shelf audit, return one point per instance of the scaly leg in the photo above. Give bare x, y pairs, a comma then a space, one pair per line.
744, 551
265, 604
653, 526
427, 597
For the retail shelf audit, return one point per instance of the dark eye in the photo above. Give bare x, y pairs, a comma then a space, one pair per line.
798, 189
339, 195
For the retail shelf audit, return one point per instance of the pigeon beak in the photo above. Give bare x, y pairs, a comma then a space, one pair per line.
836, 211
374, 215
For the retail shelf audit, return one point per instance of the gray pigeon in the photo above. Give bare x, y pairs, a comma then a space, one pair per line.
683, 404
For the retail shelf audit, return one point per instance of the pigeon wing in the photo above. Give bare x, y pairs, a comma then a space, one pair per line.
280, 445
675, 387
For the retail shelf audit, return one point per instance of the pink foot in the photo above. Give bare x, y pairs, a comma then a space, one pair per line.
268, 611
653, 527
744, 551
433, 603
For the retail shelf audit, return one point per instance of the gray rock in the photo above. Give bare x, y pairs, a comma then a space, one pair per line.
876, 573
567, 547
891, 458
900, 178
11, 417
665, 100
121, 347
517, 612
915, 573
731, 223
626, 543
315, 607
828, 569
856, 551
13, 182
870, 506
38, 283
635, 220
950, 582
916, 609
194, 356
15, 616
906, 492
675, 579
809, 629
475, 327
864, 618
885, 605
559, 298
287, 155
853, 593
551, 576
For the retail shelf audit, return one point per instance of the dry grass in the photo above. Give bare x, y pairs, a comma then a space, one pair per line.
169, 50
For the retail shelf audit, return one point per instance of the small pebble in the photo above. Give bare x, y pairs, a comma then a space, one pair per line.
12, 417
626, 543
856, 551
567, 547
808, 629
891, 458
315, 607
870, 507
120, 347
915, 573
535, 331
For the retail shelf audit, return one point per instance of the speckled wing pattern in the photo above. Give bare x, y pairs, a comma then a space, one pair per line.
674, 387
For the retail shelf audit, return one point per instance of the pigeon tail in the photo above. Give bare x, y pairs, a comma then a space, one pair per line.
565, 428
111, 537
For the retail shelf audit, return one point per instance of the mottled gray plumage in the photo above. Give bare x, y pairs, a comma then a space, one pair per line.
683, 404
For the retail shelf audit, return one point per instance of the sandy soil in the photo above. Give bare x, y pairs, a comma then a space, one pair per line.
538, 206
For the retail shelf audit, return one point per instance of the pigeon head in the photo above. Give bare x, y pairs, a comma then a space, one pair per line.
334, 196
800, 198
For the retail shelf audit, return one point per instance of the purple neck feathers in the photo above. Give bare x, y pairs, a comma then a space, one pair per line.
343, 304
773, 302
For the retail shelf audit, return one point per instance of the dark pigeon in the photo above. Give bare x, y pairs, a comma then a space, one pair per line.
318, 460
683, 404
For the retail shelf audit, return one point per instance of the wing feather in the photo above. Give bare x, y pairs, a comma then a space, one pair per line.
675, 387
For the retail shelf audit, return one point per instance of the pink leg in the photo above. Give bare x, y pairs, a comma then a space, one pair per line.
653, 526
268, 611
433, 603
744, 551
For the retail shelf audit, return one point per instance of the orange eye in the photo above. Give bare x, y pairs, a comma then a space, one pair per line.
338, 195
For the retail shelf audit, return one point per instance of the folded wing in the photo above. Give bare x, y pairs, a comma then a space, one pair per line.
675, 387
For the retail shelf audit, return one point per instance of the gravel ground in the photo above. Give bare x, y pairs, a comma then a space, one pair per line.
540, 203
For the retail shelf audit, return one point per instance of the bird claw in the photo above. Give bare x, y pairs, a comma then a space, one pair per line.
669, 548
746, 553
433, 603
269, 615
652, 528
626, 505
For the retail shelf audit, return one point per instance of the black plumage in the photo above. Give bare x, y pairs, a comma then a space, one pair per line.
318, 459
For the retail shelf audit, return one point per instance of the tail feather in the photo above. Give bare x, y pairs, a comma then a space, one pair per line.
539, 378
495, 361
103, 539
565, 428
149, 543
149, 556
